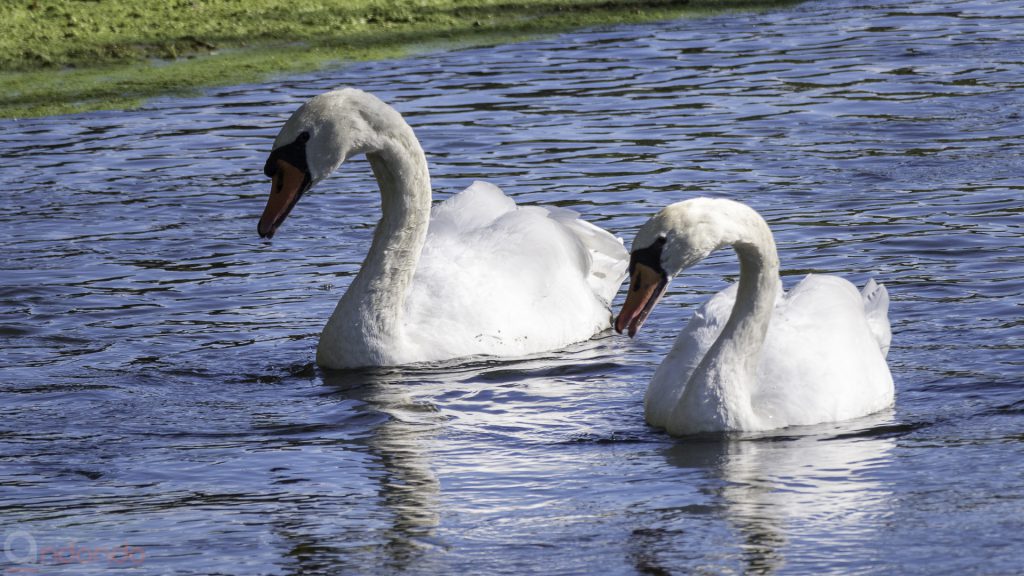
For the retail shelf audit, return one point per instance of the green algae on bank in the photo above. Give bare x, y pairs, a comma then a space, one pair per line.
60, 57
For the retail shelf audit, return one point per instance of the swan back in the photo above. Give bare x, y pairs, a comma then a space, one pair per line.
476, 207
497, 278
821, 359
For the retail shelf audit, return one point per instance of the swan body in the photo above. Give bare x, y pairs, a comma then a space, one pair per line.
754, 357
475, 275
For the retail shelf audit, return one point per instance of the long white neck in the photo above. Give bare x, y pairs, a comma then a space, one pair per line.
366, 326
724, 377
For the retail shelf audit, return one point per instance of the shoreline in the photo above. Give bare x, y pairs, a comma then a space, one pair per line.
64, 58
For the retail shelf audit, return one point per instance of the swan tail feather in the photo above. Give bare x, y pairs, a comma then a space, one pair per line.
876, 308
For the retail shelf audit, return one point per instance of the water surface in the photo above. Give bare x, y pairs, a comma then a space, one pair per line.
156, 373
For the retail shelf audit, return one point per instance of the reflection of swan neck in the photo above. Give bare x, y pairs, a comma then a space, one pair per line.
374, 302
728, 369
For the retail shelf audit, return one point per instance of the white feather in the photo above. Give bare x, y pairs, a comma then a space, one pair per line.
475, 275
815, 354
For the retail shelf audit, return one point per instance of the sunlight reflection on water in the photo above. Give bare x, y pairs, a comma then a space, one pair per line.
157, 369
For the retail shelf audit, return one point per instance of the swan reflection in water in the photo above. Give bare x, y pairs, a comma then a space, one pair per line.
788, 501
406, 428
409, 488
390, 500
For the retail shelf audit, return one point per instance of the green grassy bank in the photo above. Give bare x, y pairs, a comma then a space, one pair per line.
61, 56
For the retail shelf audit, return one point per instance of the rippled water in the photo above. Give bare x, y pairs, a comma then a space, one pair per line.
158, 390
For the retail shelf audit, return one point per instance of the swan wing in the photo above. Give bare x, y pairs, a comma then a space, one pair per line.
475, 207
497, 278
608, 256
821, 359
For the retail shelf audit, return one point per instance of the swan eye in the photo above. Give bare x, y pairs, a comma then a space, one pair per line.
294, 154
650, 256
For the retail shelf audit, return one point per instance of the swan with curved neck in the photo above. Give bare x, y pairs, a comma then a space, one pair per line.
441, 286
753, 357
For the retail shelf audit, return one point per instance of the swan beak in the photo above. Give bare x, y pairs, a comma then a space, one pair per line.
289, 183
646, 287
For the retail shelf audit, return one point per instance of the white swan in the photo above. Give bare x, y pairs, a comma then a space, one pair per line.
477, 275
752, 357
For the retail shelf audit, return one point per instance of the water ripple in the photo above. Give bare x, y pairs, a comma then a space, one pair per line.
157, 377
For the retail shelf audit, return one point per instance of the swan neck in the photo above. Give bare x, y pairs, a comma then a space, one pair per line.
725, 376
387, 272
755, 298
371, 311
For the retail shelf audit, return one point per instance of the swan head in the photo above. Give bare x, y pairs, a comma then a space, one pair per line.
323, 133
677, 237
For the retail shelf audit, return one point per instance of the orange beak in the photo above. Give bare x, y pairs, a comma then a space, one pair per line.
288, 185
646, 287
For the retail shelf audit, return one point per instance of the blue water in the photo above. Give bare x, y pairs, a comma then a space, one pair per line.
160, 411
